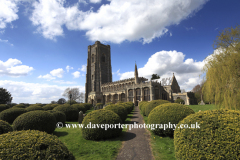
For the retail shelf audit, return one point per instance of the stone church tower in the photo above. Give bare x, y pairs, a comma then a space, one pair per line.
99, 69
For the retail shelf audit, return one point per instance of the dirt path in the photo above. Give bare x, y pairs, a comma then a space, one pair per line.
136, 141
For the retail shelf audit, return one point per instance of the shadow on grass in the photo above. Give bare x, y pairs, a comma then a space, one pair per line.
59, 133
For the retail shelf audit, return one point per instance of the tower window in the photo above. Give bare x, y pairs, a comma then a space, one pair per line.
103, 58
92, 58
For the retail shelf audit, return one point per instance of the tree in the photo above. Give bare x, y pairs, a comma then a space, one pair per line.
155, 76
61, 101
53, 102
5, 96
76, 94
222, 70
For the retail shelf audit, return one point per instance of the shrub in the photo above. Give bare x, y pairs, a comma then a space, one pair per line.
35, 120
80, 107
19, 106
5, 127
140, 104
70, 112
167, 113
60, 116
33, 108
131, 104
9, 115
180, 101
88, 106
55, 105
143, 108
101, 116
100, 105
3, 107
48, 107
216, 138
32, 144
128, 106
119, 110
151, 105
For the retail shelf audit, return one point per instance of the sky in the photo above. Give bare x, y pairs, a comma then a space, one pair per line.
43, 43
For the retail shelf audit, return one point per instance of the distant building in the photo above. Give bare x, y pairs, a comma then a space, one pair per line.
100, 88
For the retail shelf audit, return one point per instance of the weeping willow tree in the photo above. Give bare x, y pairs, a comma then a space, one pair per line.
222, 69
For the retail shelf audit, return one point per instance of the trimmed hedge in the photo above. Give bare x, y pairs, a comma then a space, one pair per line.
19, 106
80, 107
70, 112
151, 105
143, 108
60, 116
48, 107
140, 104
179, 101
9, 115
3, 107
216, 138
35, 120
5, 127
119, 110
167, 113
32, 144
33, 108
101, 116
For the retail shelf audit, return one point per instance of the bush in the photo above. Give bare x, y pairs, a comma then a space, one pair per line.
60, 116
80, 107
151, 105
3, 107
33, 144
55, 105
143, 108
100, 105
128, 106
48, 107
19, 106
168, 112
70, 112
33, 108
180, 101
35, 120
101, 116
141, 103
120, 110
88, 106
216, 138
9, 115
5, 127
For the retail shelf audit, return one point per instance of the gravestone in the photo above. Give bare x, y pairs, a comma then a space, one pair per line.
80, 117
201, 103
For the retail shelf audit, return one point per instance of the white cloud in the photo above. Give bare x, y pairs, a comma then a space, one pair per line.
95, 1
114, 22
83, 68
83, 1
64, 82
76, 74
68, 68
23, 92
57, 72
13, 68
8, 12
6, 41
48, 77
165, 63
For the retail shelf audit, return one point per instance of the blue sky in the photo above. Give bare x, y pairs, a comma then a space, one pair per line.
43, 43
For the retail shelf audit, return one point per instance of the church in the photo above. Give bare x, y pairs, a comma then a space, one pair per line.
99, 87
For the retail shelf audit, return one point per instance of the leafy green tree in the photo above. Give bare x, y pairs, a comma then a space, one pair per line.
222, 70
5, 96
61, 101
155, 76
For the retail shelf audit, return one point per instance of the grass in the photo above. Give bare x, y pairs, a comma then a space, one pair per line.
84, 149
163, 147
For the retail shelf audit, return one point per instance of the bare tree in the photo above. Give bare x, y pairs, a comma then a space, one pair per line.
76, 94
183, 90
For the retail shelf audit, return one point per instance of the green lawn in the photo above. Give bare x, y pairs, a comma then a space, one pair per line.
88, 149
163, 147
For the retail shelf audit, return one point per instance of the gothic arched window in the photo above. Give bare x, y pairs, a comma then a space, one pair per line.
103, 58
